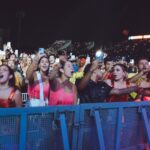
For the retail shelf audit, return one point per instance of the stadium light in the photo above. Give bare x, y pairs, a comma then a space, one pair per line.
139, 37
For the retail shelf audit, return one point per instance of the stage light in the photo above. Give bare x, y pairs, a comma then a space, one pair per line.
135, 37
139, 37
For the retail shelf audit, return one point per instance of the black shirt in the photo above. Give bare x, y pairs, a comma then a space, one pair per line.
94, 92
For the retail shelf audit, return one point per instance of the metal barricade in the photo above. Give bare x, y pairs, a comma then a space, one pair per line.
114, 126
39, 128
100, 126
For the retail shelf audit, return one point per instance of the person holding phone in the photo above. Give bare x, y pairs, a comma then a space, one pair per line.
37, 75
93, 89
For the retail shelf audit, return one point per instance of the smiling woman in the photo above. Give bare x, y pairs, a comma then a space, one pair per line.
39, 86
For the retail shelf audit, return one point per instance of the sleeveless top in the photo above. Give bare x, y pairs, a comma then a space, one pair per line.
145, 97
6, 103
119, 98
61, 97
37, 88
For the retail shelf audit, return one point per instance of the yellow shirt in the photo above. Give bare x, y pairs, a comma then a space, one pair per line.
130, 75
77, 75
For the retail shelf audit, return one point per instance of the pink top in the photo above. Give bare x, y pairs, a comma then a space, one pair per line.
34, 90
5, 103
60, 97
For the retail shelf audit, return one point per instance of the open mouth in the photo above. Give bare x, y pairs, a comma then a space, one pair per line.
114, 76
72, 72
44, 67
1, 76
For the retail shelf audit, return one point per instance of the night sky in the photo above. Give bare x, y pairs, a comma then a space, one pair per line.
43, 22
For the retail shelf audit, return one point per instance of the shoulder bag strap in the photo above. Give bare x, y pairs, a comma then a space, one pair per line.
39, 77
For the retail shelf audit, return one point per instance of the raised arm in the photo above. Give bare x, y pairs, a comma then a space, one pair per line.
83, 83
75, 94
53, 74
140, 74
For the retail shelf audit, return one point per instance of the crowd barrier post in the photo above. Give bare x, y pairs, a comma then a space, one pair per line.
23, 130
119, 126
146, 124
64, 132
98, 124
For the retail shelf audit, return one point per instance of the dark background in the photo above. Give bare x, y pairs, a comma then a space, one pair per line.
32, 24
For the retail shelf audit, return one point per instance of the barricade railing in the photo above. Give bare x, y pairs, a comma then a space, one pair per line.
25, 97
100, 126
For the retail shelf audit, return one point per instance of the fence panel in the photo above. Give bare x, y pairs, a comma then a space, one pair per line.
43, 128
9, 132
110, 126
122, 126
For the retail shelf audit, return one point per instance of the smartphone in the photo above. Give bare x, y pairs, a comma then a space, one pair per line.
57, 60
41, 50
9, 45
32, 56
16, 52
88, 59
131, 61
99, 55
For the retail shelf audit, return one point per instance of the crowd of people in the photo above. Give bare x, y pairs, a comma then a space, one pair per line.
61, 79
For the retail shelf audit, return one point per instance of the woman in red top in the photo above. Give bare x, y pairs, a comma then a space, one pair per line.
119, 81
37, 75
9, 95
63, 92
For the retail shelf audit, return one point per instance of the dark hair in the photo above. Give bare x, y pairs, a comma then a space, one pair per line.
61, 52
52, 55
12, 54
81, 56
107, 59
8, 57
87, 68
62, 64
140, 58
124, 67
40, 61
8, 53
45, 56
11, 82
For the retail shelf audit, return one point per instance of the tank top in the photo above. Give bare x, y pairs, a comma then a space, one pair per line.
58, 95
119, 98
61, 97
6, 103
35, 89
